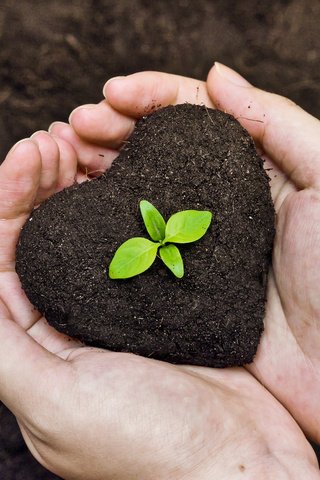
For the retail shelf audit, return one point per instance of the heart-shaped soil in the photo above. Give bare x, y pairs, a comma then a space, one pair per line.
179, 158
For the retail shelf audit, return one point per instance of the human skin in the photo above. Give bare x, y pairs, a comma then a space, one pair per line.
88, 413
288, 358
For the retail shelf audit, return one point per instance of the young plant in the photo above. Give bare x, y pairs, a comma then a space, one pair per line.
137, 254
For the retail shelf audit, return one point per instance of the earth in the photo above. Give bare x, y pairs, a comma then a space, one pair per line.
64, 250
56, 55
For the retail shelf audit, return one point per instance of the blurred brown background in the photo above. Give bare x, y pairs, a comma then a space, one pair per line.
55, 55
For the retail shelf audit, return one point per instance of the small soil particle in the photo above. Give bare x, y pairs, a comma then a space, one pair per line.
179, 158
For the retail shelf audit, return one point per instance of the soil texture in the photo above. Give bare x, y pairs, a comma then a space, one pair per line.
179, 158
56, 55
15, 462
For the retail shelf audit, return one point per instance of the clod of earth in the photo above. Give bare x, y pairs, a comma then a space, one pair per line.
180, 157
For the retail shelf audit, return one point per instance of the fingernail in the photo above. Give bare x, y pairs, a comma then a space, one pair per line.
17, 145
38, 132
89, 106
119, 77
230, 75
113, 79
52, 126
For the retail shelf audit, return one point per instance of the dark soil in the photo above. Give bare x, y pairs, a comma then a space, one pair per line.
56, 55
15, 463
179, 158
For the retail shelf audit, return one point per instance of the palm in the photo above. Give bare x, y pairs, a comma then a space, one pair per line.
182, 413
296, 257
288, 356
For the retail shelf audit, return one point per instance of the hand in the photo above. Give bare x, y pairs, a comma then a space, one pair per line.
92, 414
288, 358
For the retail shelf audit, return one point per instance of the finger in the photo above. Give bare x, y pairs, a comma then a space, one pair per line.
296, 264
19, 181
280, 185
289, 135
68, 164
27, 371
92, 158
101, 124
141, 93
50, 164
285, 369
50, 339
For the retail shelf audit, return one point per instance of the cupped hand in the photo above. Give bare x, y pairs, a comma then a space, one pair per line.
288, 358
88, 413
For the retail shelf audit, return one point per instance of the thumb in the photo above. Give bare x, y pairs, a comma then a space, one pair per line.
288, 134
28, 373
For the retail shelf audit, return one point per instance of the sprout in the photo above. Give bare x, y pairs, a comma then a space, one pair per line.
137, 254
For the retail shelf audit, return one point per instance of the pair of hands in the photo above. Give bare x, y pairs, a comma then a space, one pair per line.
91, 414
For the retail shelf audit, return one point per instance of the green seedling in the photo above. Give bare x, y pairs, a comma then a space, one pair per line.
137, 254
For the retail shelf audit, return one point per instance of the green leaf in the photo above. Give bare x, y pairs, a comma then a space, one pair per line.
187, 226
153, 220
171, 257
134, 256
